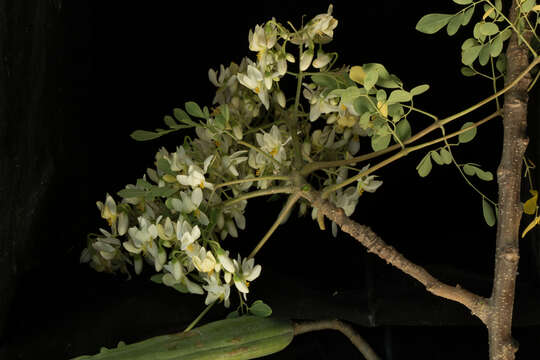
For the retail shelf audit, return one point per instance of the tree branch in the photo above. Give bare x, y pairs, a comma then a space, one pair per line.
501, 344
345, 329
478, 305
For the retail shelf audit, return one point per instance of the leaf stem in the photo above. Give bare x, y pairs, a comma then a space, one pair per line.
198, 318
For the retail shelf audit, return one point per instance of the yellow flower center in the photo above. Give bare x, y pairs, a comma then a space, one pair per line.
258, 172
201, 185
274, 151
257, 90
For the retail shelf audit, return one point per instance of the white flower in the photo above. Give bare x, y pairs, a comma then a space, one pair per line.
205, 261
107, 245
262, 38
188, 236
123, 223
217, 291
166, 231
176, 275
368, 183
195, 177
179, 160
320, 104
272, 144
245, 271
108, 210
225, 260
255, 81
280, 99
321, 27
140, 238
230, 161
305, 59
322, 60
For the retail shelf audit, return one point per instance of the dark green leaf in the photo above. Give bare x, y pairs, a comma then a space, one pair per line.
431, 23
260, 309
164, 166
131, 193
233, 314
169, 121
403, 129
157, 278
467, 71
501, 63
325, 80
143, 135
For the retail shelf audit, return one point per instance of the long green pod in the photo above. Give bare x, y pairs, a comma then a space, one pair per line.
242, 338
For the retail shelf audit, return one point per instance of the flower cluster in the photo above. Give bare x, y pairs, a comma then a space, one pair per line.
177, 217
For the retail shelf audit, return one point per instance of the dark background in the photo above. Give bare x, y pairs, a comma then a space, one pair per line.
77, 77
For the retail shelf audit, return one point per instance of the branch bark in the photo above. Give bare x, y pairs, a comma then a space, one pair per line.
478, 305
501, 302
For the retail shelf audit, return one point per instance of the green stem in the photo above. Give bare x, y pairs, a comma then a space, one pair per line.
258, 193
401, 154
194, 322
293, 198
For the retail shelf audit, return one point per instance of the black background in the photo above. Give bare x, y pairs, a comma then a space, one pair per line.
79, 77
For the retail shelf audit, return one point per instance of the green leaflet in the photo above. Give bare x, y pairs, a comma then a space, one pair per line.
425, 166
380, 142
488, 212
403, 129
455, 23
463, 2
467, 135
259, 308
446, 156
431, 23
420, 89
194, 110
398, 96
470, 54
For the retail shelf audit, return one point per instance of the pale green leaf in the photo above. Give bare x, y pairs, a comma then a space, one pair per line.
469, 43
467, 16
180, 115
380, 142
420, 89
483, 57
157, 278
488, 28
463, 2
424, 167
528, 5
371, 78
431, 23
469, 55
500, 64
484, 175
437, 158
194, 110
469, 169
325, 81
496, 46
381, 96
454, 24
489, 213
468, 135
446, 156
398, 96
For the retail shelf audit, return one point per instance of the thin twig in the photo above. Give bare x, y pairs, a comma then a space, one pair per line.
345, 329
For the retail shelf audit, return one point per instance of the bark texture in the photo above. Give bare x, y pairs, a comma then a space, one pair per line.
501, 344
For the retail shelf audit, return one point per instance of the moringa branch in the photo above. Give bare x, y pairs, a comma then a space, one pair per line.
478, 305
